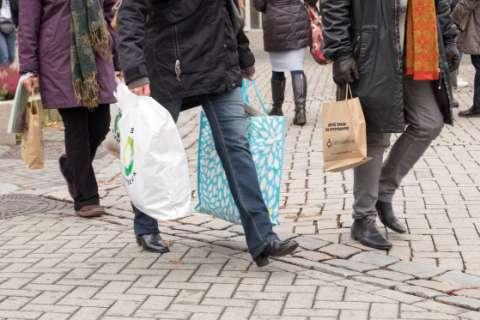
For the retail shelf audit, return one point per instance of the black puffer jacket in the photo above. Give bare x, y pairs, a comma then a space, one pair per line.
14, 10
369, 30
185, 47
285, 24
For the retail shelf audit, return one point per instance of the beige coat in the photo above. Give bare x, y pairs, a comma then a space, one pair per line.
467, 16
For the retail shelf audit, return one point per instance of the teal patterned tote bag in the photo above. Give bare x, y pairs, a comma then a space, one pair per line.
266, 135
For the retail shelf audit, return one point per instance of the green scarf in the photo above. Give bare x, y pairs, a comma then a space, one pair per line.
89, 37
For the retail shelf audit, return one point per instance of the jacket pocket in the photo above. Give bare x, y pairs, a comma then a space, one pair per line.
365, 48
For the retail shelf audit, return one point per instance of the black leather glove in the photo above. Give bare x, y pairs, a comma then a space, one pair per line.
453, 57
345, 70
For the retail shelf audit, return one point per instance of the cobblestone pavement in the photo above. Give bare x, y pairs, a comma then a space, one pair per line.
57, 266
439, 202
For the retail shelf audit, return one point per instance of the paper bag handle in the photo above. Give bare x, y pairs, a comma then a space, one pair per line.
348, 92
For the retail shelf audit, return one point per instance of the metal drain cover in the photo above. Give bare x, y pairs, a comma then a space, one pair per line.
12, 205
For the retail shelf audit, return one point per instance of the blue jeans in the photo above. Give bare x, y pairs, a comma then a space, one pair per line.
227, 118
476, 84
7, 48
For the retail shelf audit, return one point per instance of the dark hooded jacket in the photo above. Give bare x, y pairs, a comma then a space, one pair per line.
186, 48
369, 31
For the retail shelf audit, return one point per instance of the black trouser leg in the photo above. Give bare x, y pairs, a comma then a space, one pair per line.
84, 132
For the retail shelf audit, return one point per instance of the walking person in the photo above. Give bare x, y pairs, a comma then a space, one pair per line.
8, 37
401, 90
286, 35
454, 74
467, 16
189, 53
71, 60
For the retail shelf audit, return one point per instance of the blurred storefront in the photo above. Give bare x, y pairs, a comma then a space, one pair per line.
253, 18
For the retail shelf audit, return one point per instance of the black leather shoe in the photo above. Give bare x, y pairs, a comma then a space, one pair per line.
365, 231
276, 248
387, 217
473, 112
261, 261
152, 242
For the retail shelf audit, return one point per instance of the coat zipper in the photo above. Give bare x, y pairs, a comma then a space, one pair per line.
178, 63
398, 45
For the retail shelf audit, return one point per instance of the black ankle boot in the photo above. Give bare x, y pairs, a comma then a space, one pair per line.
473, 112
387, 217
278, 96
152, 242
365, 231
276, 248
299, 82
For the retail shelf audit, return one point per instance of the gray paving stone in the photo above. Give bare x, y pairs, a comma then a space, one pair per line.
381, 282
310, 243
463, 302
459, 280
390, 275
7, 188
380, 260
351, 265
313, 255
472, 315
417, 270
440, 307
419, 291
342, 272
339, 251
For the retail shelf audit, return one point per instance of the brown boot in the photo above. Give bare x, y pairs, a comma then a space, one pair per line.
91, 211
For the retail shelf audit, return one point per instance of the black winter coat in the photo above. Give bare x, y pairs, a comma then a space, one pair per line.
13, 9
186, 48
368, 30
285, 24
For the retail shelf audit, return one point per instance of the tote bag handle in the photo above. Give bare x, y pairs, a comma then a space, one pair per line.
246, 99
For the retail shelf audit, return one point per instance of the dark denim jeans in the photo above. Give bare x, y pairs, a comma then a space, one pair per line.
476, 84
7, 48
227, 118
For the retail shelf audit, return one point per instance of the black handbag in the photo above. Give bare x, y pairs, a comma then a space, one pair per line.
6, 26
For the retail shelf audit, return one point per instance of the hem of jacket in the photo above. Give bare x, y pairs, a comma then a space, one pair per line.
203, 91
268, 49
74, 105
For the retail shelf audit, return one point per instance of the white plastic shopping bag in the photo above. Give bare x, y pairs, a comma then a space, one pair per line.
154, 163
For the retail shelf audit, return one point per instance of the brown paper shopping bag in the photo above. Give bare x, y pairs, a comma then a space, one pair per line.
32, 137
344, 134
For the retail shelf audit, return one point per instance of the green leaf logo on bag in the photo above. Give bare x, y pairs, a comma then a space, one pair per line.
128, 157
116, 127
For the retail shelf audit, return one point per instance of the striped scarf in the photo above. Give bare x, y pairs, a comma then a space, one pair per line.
422, 52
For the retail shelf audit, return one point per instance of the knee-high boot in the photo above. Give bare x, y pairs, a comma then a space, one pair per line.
278, 96
299, 82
